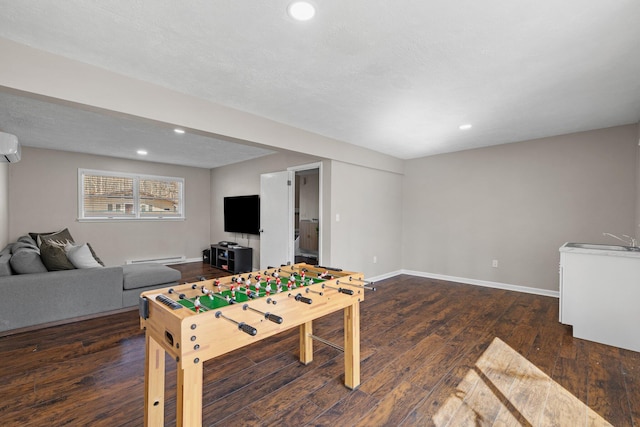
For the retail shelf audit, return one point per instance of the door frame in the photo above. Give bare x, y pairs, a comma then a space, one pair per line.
309, 166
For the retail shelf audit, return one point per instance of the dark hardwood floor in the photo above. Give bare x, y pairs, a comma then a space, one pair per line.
432, 353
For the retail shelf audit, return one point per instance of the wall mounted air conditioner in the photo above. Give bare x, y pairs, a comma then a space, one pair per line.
9, 148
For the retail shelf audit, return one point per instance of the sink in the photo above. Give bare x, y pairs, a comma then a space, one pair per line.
602, 247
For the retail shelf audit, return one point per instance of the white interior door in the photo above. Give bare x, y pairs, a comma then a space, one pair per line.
276, 219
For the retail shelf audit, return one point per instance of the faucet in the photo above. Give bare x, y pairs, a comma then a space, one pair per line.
631, 242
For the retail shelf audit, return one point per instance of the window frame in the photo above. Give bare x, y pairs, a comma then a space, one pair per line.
136, 216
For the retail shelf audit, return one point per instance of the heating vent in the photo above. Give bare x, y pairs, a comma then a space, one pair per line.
170, 260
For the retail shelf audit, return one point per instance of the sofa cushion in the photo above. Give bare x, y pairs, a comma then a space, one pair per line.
27, 239
7, 249
80, 256
62, 237
27, 260
54, 257
18, 245
149, 274
5, 265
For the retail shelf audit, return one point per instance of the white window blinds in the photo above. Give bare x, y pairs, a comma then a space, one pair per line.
112, 196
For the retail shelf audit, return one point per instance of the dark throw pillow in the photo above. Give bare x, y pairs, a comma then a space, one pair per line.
61, 237
54, 257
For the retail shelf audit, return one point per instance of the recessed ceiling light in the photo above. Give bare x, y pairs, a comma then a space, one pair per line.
180, 131
301, 10
142, 152
465, 127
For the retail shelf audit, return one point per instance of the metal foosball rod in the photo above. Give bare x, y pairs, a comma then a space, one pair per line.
371, 288
300, 298
320, 273
269, 316
329, 268
241, 325
209, 292
235, 289
341, 290
196, 302
366, 282
180, 296
329, 343
308, 290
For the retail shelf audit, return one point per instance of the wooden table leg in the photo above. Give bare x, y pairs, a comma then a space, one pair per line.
189, 394
352, 346
154, 384
306, 343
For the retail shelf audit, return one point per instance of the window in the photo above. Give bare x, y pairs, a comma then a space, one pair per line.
113, 196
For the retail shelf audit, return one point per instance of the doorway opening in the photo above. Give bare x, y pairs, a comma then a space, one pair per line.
307, 214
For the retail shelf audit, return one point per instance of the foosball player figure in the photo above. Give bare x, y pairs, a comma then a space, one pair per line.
278, 285
325, 275
196, 304
292, 283
217, 284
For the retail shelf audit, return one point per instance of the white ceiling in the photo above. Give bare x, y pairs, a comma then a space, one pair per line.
46, 124
398, 77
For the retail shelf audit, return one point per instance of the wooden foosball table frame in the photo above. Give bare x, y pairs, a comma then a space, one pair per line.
192, 338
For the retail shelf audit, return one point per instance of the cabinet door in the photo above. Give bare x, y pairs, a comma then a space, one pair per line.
308, 235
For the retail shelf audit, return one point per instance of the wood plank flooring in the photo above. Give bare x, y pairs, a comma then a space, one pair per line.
432, 353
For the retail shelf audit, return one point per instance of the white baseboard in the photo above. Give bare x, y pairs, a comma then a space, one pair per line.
384, 276
476, 282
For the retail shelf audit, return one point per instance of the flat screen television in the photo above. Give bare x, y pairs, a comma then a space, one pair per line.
242, 214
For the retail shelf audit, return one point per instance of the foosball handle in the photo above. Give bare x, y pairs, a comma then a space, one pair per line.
274, 318
303, 299
248, 329
345, 291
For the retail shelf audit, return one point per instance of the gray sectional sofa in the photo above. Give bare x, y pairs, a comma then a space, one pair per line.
33, 295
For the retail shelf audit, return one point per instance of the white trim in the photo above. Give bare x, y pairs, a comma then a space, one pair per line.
384, 276
485, 283
466, 281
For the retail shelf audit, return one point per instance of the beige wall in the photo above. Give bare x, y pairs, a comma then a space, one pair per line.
369, 205
4, 204
368, 201
518, 203
242, 179
43, 197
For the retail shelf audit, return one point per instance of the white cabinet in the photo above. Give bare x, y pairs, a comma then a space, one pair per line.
600, 294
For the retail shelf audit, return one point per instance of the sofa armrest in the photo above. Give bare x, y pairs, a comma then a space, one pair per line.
32, 299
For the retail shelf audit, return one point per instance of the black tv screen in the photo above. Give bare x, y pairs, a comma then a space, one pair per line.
242, 214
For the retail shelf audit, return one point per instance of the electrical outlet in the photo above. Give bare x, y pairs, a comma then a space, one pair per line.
494, 263
375, 259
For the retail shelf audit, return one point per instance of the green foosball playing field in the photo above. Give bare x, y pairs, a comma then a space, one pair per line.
217, 297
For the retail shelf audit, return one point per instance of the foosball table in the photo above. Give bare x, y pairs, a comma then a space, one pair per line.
196, 322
